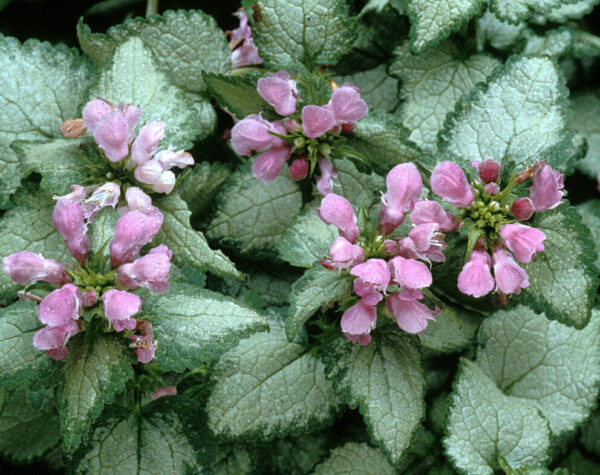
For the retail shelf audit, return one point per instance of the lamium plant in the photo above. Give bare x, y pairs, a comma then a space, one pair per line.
300, 237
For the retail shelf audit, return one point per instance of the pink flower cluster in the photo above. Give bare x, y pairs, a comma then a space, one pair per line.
496, 221
61, 309
278, 140
113, 129
382, 264
243, 50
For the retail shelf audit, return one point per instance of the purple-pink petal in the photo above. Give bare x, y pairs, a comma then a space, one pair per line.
328, 174
359, 319
547, 188
316, 120
279, 92
338, 211
145, 145
25, 267
449, 181
268, 164
347, 106
510, 277
69, 220
411, 315
475, 278
409, 273
132, 231
94, 111
252, 133
150, 271
432, 212
404, 185
523, 241
61, 306
119, 308
344, 254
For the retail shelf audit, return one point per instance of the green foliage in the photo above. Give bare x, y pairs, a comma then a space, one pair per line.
313, 32
42, 86
586, 107
385, 381
451, 331
355, 458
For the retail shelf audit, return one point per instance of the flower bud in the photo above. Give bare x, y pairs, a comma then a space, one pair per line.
523, 209
489, 170
299, 168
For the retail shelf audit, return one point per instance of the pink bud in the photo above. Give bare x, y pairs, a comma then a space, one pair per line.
61, 306
449, 181
89, 298
268, 164
94, 111
475, 278
25, 267
411, 316
150, 271
491, 189
345, 254
279, 92
523, 209
489, 170
252, 133
299, 168
358, 320
347, 106
523, 241
510, 277
338, 211
165, 391
546, 190
432, 212
104, 196
409, 273
119, 308
328, 174
132, 231
69, 221
404, 185
316, 120
144, 146
373, 278
54, 339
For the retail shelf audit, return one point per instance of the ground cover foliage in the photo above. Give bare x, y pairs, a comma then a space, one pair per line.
260, 360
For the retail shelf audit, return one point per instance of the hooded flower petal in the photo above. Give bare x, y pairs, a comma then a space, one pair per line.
373, 278
328, 174
316, 120
145, 145
411, 316
523, 241
510, 277
346, 104
105, 195
112, 135
54, 339
132, 231
338, 211
26, 267
359, 319
268, 164
432, 212
344, 254
449, 181
137, 199
409, 273
475, 278
119, 308
252, 133
61, 306
280, 92
94, 111
246, 53
150, 271
152, 173
546, 190
404, 185
69, 220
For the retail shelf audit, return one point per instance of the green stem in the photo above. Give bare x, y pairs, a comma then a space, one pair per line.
151, 8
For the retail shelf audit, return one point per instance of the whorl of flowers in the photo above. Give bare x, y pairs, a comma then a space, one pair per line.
103, 289
385, 269
302, 137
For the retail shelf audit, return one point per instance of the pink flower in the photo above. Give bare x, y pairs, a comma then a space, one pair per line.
358, 321
268, 164
164, 391
510, 277
432, 212
247, 52
316, 120
89, 298
299, 168
54, 339
279, 91
347, 106
427, 243
132, 231
61, 306
328, 174
411, 316
252, 133
26, 267
145, 347
344, 254
546, 190
102, 197
150, 271
404, 185
119, 308
523, 241
475, 278
338, 211
145, 145
69, 221
449, 181
156, 172
489, 170
373, 278
138, 200
409, 273
523, 209
94, 111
